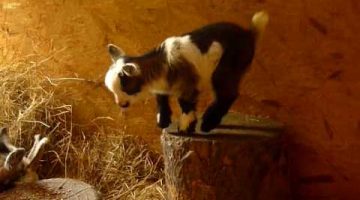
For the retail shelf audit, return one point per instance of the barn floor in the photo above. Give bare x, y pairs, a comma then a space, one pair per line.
306, 72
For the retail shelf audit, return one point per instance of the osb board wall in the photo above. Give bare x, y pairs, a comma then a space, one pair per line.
306, 72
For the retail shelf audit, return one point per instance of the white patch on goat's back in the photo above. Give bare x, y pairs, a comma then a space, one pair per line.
209, 62
171, 50
205, 64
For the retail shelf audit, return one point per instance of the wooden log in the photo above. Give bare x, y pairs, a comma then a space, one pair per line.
51, 189
242, 159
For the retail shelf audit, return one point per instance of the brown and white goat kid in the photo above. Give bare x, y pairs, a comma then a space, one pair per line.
15, 164
216, 55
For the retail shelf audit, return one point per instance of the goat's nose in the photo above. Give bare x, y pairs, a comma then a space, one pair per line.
124, 104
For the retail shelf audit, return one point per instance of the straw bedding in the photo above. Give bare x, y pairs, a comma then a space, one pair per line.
121, 166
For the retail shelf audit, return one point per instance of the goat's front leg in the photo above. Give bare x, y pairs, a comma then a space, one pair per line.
163, 117
187, 122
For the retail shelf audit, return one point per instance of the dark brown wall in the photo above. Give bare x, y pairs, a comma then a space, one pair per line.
306, 72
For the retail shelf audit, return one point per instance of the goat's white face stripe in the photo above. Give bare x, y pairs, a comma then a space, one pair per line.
112, 78
112, 81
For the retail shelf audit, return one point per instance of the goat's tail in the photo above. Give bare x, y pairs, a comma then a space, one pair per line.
258, 23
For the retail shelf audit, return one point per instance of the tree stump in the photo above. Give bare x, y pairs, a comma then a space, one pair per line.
242, 159
51, 189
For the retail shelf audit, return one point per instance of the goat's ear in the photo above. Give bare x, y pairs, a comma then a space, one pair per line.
115, 52
5, 145
14, 158
3, 140
3, 135
3, 131
36, 152
131, 69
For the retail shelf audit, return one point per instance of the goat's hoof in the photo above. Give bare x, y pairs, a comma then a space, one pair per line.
164, 123
184, 132
207, 127
190, 129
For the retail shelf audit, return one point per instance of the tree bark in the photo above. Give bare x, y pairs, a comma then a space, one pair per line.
242, 159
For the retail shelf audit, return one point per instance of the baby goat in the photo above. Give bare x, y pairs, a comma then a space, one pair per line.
15, 165
216, 55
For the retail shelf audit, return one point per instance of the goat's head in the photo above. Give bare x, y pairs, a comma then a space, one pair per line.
14, 164
124, 78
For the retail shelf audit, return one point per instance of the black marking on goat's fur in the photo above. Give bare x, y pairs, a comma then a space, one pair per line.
231, 37
7, 185
151, 67
151, 64
188, 102
130, 85
189, 105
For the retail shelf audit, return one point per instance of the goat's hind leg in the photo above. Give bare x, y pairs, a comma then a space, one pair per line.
225, 86
214, 113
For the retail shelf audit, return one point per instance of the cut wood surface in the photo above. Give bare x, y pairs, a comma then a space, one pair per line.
51, 189
241, 159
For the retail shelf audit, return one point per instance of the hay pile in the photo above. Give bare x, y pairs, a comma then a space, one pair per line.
119, 165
